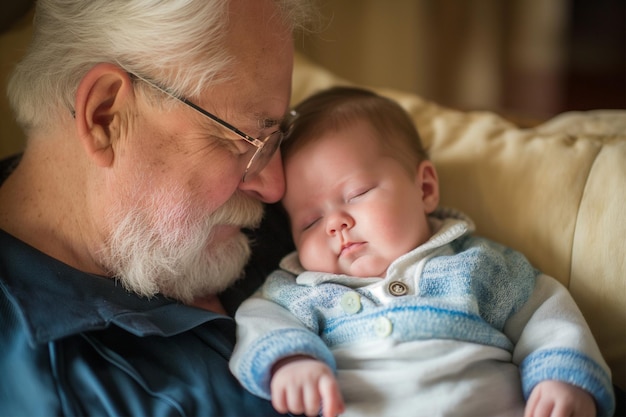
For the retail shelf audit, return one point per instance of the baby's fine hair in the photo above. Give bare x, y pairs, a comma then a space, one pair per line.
340, 107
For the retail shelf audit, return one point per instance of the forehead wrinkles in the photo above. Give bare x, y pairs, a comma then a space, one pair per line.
270, 35
263, 62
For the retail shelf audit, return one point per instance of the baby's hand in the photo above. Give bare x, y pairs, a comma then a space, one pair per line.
559, 399
303, 385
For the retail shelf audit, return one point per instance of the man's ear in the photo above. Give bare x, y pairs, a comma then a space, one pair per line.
100, 99
428, 182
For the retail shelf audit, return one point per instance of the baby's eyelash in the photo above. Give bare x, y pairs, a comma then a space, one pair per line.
310, 224
359, 193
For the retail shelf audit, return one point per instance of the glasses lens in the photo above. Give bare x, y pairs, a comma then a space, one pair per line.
263, 155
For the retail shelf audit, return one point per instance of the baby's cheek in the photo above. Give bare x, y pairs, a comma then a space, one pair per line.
315, 256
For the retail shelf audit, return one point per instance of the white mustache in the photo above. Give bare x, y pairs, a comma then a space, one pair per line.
240, 210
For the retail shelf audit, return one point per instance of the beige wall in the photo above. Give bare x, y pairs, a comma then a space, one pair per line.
460, 53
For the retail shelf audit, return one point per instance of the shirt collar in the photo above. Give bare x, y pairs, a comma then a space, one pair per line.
56, 300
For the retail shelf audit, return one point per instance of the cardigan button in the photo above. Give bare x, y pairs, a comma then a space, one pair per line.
351, 302
398, 288
383, 327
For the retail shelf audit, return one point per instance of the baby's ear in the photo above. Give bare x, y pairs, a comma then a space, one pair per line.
99, 109
428, 182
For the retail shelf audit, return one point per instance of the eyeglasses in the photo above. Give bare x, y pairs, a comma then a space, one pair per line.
265, 147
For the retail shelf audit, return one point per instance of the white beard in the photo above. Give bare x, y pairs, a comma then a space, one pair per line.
170, 249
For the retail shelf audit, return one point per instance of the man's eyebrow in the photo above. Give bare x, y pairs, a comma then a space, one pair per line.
267, 122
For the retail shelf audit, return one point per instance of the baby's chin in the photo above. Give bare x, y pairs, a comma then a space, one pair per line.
366, 268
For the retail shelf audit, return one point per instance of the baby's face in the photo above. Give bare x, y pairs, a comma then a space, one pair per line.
353, 210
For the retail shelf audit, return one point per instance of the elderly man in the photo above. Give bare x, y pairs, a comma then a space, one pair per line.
124, 214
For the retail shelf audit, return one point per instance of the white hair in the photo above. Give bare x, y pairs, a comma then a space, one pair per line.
167, 41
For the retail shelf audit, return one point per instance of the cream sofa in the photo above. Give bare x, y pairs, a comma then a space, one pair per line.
555, 192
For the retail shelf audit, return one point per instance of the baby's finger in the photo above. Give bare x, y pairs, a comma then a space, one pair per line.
312, 400
279, 400
332, 401
543, 409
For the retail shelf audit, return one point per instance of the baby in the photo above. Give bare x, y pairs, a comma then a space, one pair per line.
390, 306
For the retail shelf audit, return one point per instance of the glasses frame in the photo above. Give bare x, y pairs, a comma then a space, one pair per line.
259, 143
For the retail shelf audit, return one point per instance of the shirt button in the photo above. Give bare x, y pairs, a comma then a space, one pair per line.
351, 302
398, 288
383, 327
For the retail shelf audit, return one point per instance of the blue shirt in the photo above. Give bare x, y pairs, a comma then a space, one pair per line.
77, 344
73, 343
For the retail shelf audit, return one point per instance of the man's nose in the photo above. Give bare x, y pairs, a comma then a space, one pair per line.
269, 184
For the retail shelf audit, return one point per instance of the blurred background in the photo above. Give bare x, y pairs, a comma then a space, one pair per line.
526, 58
